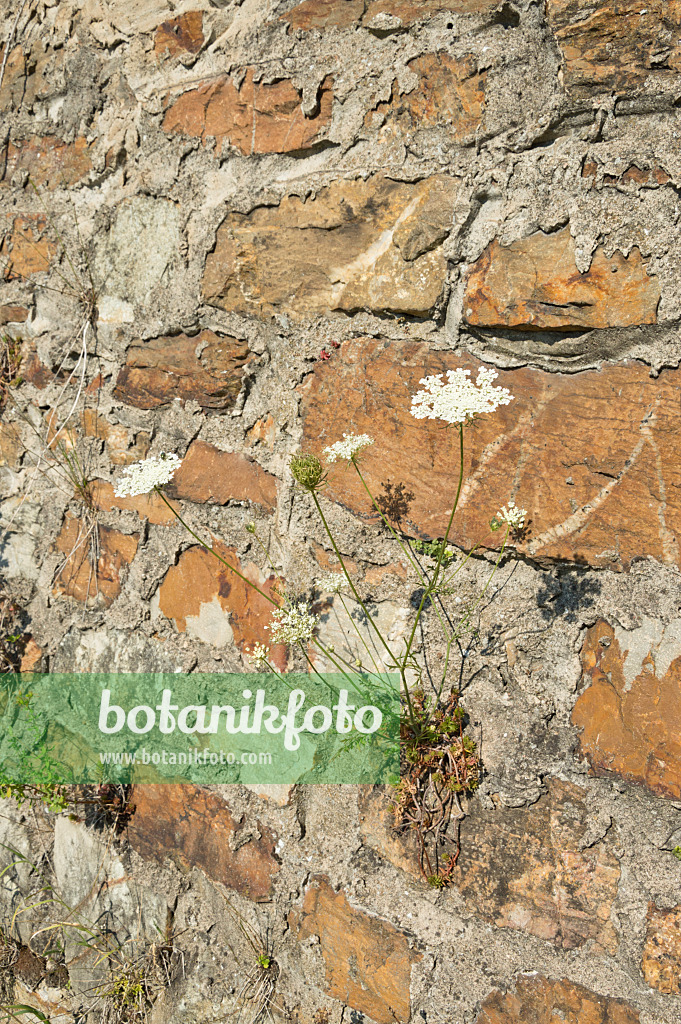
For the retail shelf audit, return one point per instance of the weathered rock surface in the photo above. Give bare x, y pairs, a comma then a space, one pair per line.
534, 283
208, 474
661, 963
49, 160
629, 711
357, 244
94, 559
326, 14
25, 249
183, 34
539, 1000
523, 868
207, 600
148, 506
255, 118
614, 45
122, 449
207, 368
591, 455
194, 827
367, 961
450, 92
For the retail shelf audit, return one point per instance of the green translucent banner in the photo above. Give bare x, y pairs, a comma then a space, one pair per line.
203, 728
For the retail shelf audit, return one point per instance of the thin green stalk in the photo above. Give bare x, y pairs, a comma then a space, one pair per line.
212, 550
433, 582
353, 588
359, 634
412, 561
363, 607
489, 580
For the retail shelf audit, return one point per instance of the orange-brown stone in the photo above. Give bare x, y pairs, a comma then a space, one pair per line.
377, 821
24, 249
538, 1000
206, 368
357, 244
450, 92
326, 14
94, 559
646, 177
147, 506
180, 35
204, 597
534, 284
523, 868
194, 827
10, 314
661, 964
367, 960
208, 474
256, 118
121, 448
591, 455
409, 11
14, 80
629, 717
49, 161
614, 45
11, 447
31, 659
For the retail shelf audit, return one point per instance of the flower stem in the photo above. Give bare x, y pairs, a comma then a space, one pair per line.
429, 590
213, 552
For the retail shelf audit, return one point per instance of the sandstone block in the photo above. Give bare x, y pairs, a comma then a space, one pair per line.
148, 506
522, 868
325, 14
367, 960
661, 963
49, 161
180, 35
534, 283
256, 118
450, 93
542, 1001
614, 45
206, 600
357, 244
24, 249
591, 455
629, 710
194, 827
208, 474
94, 561
207, 368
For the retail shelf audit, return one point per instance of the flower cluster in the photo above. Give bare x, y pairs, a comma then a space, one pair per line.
514, 516
332, 583
258, 653
292, 625
348, 447
144, 476
459, 399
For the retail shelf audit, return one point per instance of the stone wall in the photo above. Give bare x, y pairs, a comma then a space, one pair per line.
289, 214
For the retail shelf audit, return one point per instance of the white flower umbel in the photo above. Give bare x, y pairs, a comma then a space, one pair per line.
142, 477
348, 447
459, 399
331, 584
292, 625
258, 653
514, 516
